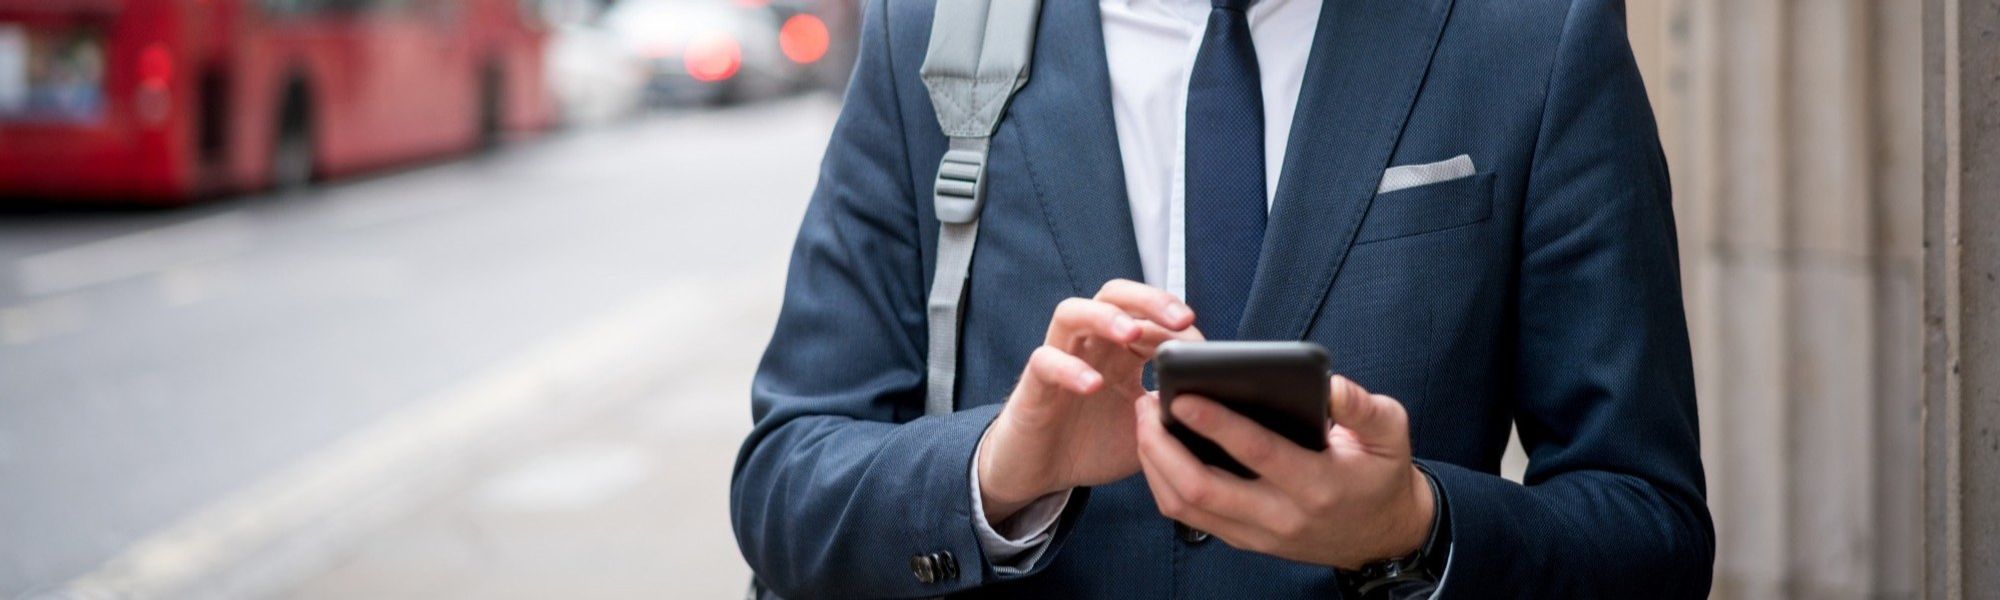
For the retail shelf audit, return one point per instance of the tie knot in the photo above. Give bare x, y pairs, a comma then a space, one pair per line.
1235, 5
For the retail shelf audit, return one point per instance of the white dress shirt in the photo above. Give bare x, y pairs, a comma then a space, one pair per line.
1149, 107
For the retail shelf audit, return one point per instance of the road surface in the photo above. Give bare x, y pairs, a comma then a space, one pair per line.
164, 373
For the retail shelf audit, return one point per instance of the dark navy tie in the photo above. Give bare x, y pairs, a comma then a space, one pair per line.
1224, 208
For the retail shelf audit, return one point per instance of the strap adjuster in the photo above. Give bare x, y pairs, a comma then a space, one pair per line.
961, 181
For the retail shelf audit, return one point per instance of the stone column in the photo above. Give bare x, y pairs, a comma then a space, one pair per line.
1961, 379
1793, 130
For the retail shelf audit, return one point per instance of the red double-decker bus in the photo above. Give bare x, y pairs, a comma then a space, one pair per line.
166, 101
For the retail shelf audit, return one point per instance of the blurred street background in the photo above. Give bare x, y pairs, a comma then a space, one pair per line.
479, 329
156, 362
461, 298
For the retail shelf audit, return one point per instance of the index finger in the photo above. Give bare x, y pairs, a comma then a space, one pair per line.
1076, 318
1151, 335
1147, 302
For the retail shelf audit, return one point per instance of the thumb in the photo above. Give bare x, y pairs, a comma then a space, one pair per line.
1373, 418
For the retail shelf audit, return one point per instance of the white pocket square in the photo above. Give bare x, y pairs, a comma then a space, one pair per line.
1409, 176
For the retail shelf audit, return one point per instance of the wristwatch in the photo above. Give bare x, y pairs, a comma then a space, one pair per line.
1412, 576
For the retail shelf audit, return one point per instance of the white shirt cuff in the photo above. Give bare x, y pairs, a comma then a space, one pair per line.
1014, 546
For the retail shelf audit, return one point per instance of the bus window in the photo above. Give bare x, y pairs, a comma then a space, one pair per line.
307, 7
51, 74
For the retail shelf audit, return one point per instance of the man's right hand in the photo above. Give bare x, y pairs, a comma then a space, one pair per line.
1069, 422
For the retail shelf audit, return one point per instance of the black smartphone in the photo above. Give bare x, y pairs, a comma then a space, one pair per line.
1281, 385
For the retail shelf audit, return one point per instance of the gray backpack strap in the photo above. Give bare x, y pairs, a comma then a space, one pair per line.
978, 58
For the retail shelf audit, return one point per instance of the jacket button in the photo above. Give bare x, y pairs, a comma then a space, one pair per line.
1189, 534
924, 566
947, 565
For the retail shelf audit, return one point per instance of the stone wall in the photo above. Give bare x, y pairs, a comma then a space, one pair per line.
1961, 377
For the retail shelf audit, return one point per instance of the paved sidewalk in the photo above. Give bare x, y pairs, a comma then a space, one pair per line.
631, 504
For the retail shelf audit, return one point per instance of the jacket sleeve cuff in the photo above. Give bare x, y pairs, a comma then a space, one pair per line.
956, 436
1476, 506
1020, 541
1440, 532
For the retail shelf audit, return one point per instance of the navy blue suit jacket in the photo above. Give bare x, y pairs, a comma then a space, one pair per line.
1542, 292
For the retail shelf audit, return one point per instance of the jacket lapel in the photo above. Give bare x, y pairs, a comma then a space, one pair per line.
1063, 123
1368, 61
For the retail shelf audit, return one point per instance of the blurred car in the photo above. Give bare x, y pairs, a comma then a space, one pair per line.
841, 19
594, 77
719, 51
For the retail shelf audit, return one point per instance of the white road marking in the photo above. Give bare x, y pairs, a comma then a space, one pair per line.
41, 319
574, 477
133, 254
188, 284
404, 196
356, 276
262, 536
385, 211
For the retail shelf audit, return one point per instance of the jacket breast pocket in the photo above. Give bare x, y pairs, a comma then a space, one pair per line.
1427, 208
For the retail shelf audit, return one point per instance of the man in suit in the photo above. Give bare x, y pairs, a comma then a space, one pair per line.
1464, 200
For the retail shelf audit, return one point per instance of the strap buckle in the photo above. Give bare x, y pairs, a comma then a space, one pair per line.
961, 181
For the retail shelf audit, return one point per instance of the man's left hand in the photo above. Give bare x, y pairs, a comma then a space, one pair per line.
1359, 501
